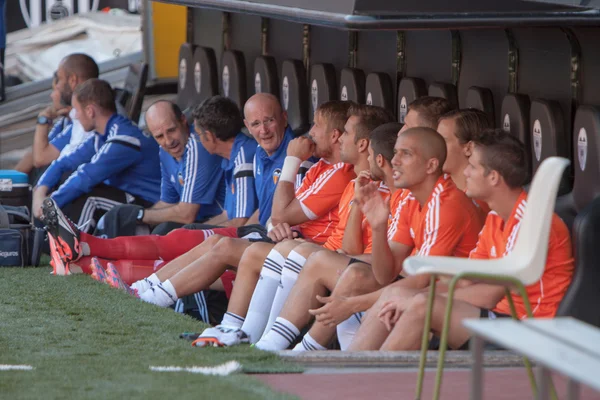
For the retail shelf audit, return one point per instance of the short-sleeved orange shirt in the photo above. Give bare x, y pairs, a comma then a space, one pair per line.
336, 239
447, 225
497, 240
320, 195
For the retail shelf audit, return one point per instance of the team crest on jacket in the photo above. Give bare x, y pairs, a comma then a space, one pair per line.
180, 178
276, 175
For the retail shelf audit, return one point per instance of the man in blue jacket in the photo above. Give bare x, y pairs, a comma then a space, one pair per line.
118, 164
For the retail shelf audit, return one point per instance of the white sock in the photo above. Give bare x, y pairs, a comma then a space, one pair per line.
262, 298
231, 320
347, 329
84, 248
162, 294
280, 337
308, 344
144, 284
289, 275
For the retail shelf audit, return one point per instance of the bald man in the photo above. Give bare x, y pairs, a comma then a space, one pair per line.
58, 131
434, 218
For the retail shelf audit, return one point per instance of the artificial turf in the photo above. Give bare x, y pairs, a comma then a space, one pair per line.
88, 340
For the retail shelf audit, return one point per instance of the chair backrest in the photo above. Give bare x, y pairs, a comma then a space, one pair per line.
582, 298
531, 247
132, 95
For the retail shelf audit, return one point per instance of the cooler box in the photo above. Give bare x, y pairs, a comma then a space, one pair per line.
14, 188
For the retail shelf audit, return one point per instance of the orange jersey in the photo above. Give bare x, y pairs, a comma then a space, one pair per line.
336, 239
482, 208
447, 225
320, 195
497, 240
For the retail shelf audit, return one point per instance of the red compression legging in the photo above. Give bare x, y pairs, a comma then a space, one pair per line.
151, 247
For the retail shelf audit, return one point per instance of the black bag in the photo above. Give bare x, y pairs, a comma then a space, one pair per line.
16, 238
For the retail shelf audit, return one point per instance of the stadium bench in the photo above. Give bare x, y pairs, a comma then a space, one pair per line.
565, 345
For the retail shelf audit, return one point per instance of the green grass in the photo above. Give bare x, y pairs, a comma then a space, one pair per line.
87, 340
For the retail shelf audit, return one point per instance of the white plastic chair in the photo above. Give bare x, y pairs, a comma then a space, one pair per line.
523, 266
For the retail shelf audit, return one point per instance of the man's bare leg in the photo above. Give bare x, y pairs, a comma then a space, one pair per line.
198, 275
176, 265
408, 330
320, 274
372, 332
356, 280
269, 292
201, 273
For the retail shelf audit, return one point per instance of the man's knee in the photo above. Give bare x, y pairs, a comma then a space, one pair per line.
286, 246
254, 256
417, 306
306, 249
353, 279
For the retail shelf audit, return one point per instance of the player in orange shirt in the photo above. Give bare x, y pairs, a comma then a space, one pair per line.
426, 112
265, 262
459, 128
445, 222
496, 172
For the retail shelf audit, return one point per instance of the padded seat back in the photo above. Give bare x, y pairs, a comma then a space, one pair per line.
186, 76
586, 186
409, 90
265, 75
206, 76
515, 111
352, 85
131, 96
582, 298
548, 136
483, 100
294, 95
379, 90
446, 91
233, 76
322, 87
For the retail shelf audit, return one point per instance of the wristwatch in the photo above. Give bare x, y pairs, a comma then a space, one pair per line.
140, 215
44, 120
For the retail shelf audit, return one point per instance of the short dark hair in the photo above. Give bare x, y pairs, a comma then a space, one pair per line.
470, 123
81, 65
335, 112
383, 139
370, 117
98, 92
504, 153
430, 109
219, 115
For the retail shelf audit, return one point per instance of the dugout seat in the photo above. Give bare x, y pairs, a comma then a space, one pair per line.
582, 297
322, 87
131, 96
481, 99
444, 90
379, 90
515, 112
409, 90
548, 136
206, 75
352, 85
233, 76
186, 76
265, 75
583, 206
294, 95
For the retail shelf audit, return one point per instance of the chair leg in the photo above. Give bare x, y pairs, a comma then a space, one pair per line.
526, 361
444, 337
425, 340
523, 292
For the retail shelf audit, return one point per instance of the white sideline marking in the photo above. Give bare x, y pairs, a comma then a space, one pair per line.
8, 367
221, 370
